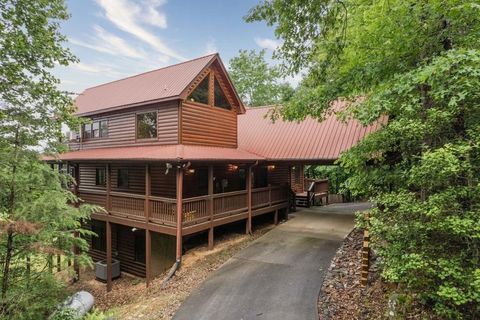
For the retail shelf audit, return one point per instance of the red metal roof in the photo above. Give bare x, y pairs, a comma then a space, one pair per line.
157, 85
160, 153
299, 141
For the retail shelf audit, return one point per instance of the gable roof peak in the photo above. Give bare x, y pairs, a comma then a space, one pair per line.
163, 84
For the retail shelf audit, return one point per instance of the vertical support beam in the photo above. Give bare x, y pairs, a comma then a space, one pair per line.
210, 206
249, 199
109, 256
148, 256
179, 211
108, 187
275, 217
109, 228
148, 238
76, 266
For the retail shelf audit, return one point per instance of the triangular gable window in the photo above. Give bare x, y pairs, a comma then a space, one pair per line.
200, 94
220, 98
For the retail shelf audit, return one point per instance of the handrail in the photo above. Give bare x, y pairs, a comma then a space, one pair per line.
163, 199
127, 195
92, 191
231, 193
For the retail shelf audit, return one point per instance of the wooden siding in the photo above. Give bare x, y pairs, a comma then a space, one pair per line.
123, 247
297, 178
210, 126
87, 174
136, 178
279, 175
122, 127
163, 185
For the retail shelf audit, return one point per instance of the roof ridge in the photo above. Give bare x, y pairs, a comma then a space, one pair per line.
150, 71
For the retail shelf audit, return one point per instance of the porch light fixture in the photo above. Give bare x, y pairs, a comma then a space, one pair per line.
271, 167
191, 171
232, 167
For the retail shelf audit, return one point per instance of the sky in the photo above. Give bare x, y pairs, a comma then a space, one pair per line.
118, 38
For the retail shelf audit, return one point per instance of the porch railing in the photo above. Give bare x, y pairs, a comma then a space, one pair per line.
195, 210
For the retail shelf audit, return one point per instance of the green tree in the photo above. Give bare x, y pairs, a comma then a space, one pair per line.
417, 63
257, 83
37, 218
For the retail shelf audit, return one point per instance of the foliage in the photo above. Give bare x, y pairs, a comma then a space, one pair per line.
37, 219
98, 315
257, 83
416, 64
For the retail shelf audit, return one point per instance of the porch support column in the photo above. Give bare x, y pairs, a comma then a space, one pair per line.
275, 217
109, 256
108, 187
76, 267
148, 236
109, 228
179, 211
210, 206
249, 199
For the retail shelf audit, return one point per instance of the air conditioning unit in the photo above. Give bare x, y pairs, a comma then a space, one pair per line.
101, 269
72, 136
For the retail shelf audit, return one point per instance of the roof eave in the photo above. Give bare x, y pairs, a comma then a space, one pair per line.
126, 106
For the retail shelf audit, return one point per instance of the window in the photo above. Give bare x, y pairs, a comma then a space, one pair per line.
100, 177
103, 128
147, 125
96, 129
99, 241
139, 247
122, 178
220, 99
200, 94
87, 130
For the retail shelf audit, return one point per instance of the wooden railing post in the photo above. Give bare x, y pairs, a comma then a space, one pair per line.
148, 239
179, 184
249, 199
210, 206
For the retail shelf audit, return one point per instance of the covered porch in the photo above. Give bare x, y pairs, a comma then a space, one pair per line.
175, 199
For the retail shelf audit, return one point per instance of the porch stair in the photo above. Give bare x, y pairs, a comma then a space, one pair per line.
301, 200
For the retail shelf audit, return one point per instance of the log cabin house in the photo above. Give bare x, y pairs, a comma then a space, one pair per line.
174, 152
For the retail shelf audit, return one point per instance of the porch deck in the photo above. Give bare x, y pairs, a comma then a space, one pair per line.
198, 213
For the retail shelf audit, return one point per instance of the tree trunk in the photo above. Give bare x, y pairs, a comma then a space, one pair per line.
6, 266
10, 230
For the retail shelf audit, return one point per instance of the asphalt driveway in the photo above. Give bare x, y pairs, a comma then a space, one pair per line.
280, 275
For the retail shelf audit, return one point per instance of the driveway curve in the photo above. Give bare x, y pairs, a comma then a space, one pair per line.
279, 275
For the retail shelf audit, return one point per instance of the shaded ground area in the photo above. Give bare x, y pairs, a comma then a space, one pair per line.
279, 275
342, 297
129, 298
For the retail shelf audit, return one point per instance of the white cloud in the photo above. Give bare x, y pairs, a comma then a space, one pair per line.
210, 46
107, 42
129, 16
103, 69
266, 43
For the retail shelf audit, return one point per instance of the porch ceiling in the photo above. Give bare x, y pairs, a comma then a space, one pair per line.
176, 152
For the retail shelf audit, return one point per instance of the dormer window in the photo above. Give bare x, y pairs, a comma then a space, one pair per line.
147, 125
200, 94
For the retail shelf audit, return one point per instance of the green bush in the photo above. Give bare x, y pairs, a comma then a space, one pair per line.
422, 170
